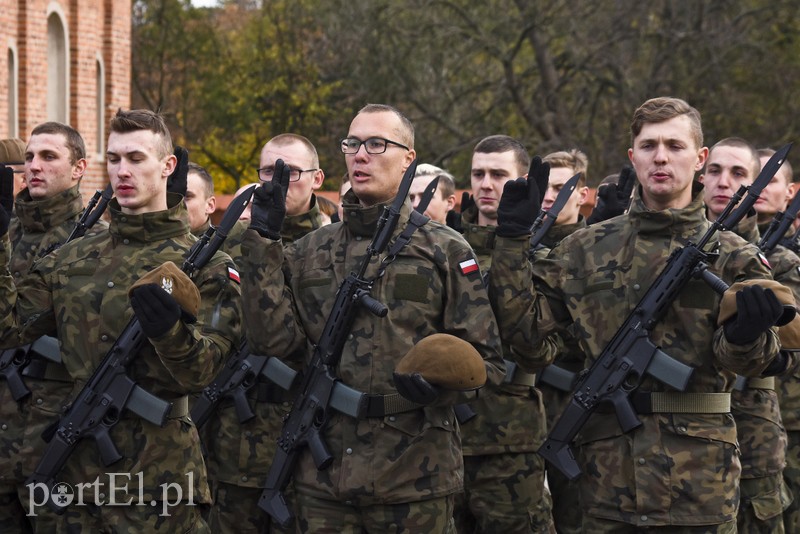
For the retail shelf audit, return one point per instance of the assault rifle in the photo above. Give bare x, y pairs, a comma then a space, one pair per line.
779, 225
547, 218
630, 354
311, 410
13, 361
109, 391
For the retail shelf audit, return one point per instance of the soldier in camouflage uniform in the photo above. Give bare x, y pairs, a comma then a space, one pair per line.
239, 454
45, 214
397, 469
678, 471
199, 198
504, 489
445, 197
79, 293
733, 162
773, 199
563, 165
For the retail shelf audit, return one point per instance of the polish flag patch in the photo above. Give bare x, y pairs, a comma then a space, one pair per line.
468, 266
233, 274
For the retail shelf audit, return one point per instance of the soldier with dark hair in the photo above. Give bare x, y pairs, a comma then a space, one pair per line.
399, 466
678, 471
79, 293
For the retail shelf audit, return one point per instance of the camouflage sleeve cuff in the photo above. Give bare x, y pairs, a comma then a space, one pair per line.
747, 360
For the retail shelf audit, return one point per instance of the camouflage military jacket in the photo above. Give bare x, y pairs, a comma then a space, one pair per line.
675, 469
509, 417
786, 270
428, 288
241, 453
79, 293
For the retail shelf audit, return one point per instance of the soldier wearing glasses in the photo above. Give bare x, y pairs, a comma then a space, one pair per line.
396, 469
239, 454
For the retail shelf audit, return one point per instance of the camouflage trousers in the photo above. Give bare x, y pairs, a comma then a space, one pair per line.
323, 516
504, 493
91, 519
12, 514
235, 511
761, 504
566, 507
596, 525
791, 476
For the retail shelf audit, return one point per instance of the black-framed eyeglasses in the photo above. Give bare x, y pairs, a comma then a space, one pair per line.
373, 145
266, 173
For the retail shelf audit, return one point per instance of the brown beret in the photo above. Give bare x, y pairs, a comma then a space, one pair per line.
12, 151
175, 282
789, 323
445, 361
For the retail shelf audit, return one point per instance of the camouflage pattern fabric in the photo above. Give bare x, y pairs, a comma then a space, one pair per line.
134, 520
509, 419
501, 496
239, 454
676, 469
79, 293
235, 510
760, 431
323, 516
288, 295
37, 227
597, 525
791, 477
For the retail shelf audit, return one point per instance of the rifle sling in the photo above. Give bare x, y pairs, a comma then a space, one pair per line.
179, 408
760, 382
383, 405
415, 222
675, 402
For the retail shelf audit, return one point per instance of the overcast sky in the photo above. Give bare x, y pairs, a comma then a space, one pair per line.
204, 3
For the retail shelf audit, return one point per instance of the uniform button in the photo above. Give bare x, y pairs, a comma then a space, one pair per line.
636, 287
102, 495
349, 450
110, 284
349, 503
641, 461
39, 401
446, 423
643, 518
16, 274
392, 418
285, 404
358, 238
248, 433
681, 429
104, 337
350, 336
126, 241
244, 478
123, 219
4, 426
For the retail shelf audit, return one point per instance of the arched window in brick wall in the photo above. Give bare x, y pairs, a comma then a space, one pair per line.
13, 92
57, 68
101, 105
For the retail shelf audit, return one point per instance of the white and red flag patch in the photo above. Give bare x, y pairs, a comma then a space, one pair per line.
468, 266
764, 261
233, 274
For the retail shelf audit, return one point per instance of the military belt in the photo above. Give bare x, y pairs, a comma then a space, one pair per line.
673, 402
44, 370
382, 405
514, 375
761, 382
179, 408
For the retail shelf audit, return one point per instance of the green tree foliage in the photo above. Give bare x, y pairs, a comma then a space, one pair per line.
554, 73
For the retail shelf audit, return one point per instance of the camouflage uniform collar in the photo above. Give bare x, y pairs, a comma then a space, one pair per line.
763, 228
296, 226
362, 221
200, 231
42, 215
480, 238
671, 221
153, 226
748, 230
557, 232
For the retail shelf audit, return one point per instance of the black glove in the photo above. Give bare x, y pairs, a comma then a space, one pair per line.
415, 388
6, 197
269, 203
453, 217
156, 310
176, 183
521, 201
757, 309
613, 199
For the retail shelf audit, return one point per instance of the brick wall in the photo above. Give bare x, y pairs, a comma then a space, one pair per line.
96, 30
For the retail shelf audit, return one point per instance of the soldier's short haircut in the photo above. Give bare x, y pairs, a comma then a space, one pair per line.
663, 109
569, 159
785, 169
505, 143
406, 132
135, 120
738, 142
74, 140
289, 138
208, 182
447, 185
